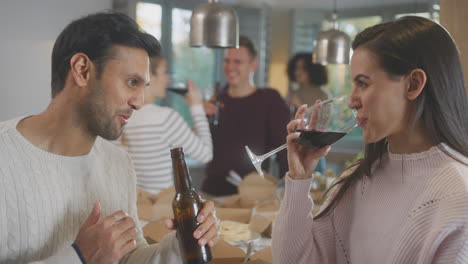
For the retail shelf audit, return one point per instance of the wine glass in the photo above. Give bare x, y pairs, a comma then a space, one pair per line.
322, 124
177, 84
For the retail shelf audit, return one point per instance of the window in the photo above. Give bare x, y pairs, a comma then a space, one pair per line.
196, 64
149, 17
186, 63
434, 15
352, 26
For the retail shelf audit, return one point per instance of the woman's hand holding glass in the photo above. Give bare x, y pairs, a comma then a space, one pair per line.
310, 135
302, 160
193, 95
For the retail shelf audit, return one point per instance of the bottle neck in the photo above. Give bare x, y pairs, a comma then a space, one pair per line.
182, 180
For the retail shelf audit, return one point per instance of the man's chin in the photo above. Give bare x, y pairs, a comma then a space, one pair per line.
113, 135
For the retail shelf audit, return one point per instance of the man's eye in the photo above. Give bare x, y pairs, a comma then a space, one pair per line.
132, 82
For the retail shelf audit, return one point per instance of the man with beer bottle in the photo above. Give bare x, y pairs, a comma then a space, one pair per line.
70, 195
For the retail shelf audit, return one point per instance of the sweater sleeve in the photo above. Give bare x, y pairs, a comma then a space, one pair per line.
278, 119
453, 247
66, 255
297, 238
197, 144
166, 251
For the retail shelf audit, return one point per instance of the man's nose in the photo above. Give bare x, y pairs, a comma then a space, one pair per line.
137, 99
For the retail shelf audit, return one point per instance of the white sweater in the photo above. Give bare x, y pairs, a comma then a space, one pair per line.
45, 198
150, 134
414, 209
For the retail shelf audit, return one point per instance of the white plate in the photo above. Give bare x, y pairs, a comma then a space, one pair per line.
243, 243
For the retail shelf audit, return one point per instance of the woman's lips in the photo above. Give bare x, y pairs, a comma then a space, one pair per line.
361, 121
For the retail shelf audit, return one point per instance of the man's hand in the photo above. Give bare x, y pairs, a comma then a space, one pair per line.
210, 107
207, 231
106, 240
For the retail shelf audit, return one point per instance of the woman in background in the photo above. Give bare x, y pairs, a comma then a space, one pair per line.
153, 130
406, 201
307, 81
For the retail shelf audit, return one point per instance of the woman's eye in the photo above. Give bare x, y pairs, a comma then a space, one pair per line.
361, 84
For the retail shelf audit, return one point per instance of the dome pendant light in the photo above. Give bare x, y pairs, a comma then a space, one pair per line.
333, 45
214, 25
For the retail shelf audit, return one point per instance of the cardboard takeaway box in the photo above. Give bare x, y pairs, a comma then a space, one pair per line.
257, 197
155, 207
255, 204
223, 252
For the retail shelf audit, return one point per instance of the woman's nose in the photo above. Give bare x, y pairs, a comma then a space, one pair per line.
354, 101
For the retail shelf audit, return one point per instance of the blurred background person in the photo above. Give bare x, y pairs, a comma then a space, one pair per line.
307, 81
153, 130
248, 115
307, 85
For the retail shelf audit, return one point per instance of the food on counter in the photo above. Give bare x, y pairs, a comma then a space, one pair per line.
234, 231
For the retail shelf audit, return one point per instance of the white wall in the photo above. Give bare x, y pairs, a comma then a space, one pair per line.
28, 29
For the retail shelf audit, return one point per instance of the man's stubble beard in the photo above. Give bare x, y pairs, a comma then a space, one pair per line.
95, 117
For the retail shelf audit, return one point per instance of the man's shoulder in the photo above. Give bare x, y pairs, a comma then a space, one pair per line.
272, 98
268, 91
269, 94
8, 124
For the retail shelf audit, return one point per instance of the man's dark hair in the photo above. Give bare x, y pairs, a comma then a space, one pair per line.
95, 35
248, 44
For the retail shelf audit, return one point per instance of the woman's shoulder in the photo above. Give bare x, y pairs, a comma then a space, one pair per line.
150, 114
451, 177
445, 193
154, 108
453, 172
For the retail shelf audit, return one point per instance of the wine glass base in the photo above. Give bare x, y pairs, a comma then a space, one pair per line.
256, 161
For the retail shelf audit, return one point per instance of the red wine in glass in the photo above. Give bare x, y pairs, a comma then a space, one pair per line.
181, 91
318, 138
322, 124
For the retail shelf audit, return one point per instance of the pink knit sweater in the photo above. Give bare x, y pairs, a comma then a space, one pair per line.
414, 209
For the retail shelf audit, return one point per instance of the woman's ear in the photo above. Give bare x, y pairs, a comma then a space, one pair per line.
417, 81
80, 68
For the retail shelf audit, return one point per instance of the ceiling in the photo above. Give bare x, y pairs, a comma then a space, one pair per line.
328, 4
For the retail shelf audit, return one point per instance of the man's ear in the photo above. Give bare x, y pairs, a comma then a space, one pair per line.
80, 69
417, 81
253, 65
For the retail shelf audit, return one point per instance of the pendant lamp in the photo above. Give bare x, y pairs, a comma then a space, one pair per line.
214, 25
333, 45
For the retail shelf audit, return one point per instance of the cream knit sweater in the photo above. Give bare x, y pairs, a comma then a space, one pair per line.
414, 209
45, 198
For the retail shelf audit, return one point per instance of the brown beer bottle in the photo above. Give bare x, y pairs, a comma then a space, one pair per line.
186, 206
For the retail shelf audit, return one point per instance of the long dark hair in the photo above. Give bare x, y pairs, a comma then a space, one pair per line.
401, 46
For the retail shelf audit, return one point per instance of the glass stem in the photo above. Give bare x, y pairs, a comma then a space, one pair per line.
267, 155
